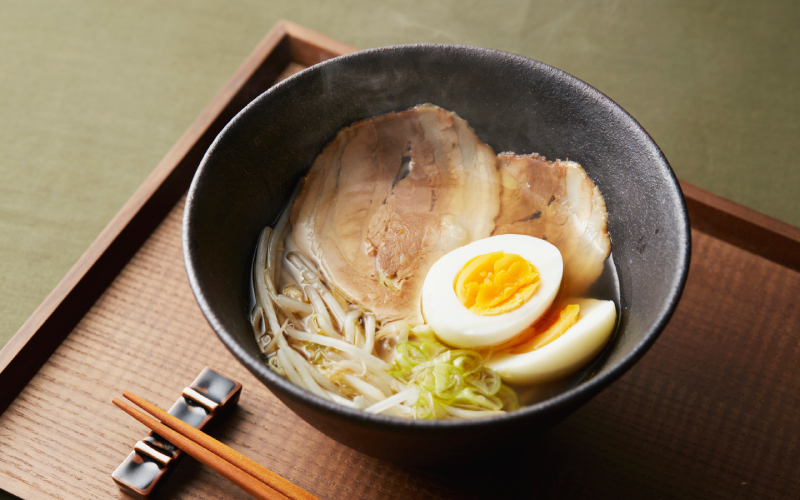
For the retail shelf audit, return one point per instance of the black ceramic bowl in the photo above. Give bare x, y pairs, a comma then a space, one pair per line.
514, 104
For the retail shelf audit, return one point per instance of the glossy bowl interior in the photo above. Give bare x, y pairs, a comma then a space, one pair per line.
514, 104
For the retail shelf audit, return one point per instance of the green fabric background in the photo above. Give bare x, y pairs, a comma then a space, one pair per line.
93, 94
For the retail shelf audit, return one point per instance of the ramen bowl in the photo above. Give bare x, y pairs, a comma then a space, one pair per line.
514, 104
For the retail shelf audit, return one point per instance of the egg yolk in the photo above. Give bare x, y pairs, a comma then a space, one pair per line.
553, 325
496, 283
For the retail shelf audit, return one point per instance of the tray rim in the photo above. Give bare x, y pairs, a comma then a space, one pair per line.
287, 42
34, 342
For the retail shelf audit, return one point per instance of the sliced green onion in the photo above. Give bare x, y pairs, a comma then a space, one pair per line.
424, 333
432, 349
466, 361
424, 407
448, 381
508, 397
442, 358
426, 379
472, 397
485, 380
411, 353
428, 407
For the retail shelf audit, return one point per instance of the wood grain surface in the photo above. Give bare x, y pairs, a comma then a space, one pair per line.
285, 50
712, 411
753, 231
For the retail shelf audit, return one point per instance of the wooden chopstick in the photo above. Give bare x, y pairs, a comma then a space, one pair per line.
222, 467
229, 454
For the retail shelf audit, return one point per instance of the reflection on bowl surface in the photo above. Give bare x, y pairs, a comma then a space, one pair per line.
513, 104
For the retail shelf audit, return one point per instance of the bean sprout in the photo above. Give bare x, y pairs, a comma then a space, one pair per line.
294, 305
400, 397
328, 347
369, 332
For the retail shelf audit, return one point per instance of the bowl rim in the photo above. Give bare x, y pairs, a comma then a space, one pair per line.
580, 393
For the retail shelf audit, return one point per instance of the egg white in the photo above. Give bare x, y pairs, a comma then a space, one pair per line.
565, 354
457, 325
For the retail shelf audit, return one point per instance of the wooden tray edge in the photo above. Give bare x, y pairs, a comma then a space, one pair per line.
69, 301
743, 227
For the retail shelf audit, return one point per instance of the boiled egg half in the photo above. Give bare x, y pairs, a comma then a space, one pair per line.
498, 292
530, 364
489, 291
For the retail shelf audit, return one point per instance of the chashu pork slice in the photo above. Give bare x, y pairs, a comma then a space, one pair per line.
557, 202
389, 196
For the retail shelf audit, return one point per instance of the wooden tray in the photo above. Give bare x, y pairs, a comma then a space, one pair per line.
713, 409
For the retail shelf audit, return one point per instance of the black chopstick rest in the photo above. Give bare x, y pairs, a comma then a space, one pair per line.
209, 397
